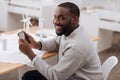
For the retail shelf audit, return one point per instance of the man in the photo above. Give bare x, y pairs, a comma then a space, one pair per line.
78, 59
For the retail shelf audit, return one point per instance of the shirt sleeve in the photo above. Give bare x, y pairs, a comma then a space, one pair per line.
50, 45
68, 64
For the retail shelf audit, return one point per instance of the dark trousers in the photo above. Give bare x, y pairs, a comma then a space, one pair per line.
33, 75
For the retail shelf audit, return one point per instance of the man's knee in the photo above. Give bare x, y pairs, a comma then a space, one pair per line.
33, 75
27, 75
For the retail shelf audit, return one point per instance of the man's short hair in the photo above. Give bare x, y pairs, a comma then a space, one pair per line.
73, 8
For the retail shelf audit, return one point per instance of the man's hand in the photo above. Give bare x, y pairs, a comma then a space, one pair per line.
26, 49
32, 42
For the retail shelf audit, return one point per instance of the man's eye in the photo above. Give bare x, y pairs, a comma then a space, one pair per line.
61, 18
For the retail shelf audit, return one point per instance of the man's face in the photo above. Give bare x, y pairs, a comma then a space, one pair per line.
62, 21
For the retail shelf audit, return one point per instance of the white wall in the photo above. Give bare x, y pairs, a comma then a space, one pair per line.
47, 14
14, 21
3, 15
78, 2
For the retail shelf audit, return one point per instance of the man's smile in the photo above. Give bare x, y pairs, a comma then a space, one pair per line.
58, 28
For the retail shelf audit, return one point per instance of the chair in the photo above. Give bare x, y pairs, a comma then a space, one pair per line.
108, 65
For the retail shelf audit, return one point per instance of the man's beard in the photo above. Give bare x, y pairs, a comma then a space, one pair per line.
65, 29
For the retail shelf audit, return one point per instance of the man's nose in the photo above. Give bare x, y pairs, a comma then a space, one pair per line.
56, 21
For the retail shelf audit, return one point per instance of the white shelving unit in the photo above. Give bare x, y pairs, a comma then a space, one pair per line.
3, 15
13, 11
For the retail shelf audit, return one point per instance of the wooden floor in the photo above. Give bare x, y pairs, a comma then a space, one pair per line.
115, 73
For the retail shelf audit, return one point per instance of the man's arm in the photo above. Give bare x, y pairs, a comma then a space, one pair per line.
50, 45
67, 65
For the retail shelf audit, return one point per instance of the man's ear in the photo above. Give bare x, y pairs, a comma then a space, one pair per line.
75, 19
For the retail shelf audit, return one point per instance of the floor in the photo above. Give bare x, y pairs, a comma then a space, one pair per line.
115, 73
113, 51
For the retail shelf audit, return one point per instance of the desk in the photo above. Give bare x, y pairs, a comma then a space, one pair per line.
6, 67
109, 23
